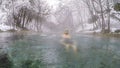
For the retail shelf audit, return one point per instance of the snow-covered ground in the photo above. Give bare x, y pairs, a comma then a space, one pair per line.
3, 20
5, 27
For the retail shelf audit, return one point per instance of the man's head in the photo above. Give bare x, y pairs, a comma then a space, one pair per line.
66, 32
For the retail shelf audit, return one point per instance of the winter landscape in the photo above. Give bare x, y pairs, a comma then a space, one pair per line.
59, 33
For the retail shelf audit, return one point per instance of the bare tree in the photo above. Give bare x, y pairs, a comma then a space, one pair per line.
78, 6
65, 18
42, 10
102, 15
108, 12
1, 2
37, 10
97, 8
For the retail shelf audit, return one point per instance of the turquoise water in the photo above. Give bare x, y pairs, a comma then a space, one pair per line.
36, 51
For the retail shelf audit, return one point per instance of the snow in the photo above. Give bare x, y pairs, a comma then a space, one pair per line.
3, 20
4, 27
6, 6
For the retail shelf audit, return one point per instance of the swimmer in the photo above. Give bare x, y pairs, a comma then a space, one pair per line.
68, 42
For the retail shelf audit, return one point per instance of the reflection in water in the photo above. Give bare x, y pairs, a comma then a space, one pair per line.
68, 46
47, 52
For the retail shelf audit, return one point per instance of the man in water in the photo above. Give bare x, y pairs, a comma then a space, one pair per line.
67, 41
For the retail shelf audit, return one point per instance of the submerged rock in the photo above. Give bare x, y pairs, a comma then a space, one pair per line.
5, 61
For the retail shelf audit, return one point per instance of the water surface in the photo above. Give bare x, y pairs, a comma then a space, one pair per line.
38, 51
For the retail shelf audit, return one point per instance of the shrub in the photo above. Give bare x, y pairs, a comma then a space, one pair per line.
5, 61
117, 7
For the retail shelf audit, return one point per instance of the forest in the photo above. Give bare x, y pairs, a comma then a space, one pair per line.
75, 15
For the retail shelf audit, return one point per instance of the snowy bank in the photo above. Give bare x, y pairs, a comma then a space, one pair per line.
5, 27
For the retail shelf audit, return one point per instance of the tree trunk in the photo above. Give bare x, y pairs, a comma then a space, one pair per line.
24, 16
102, 16
108, 8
